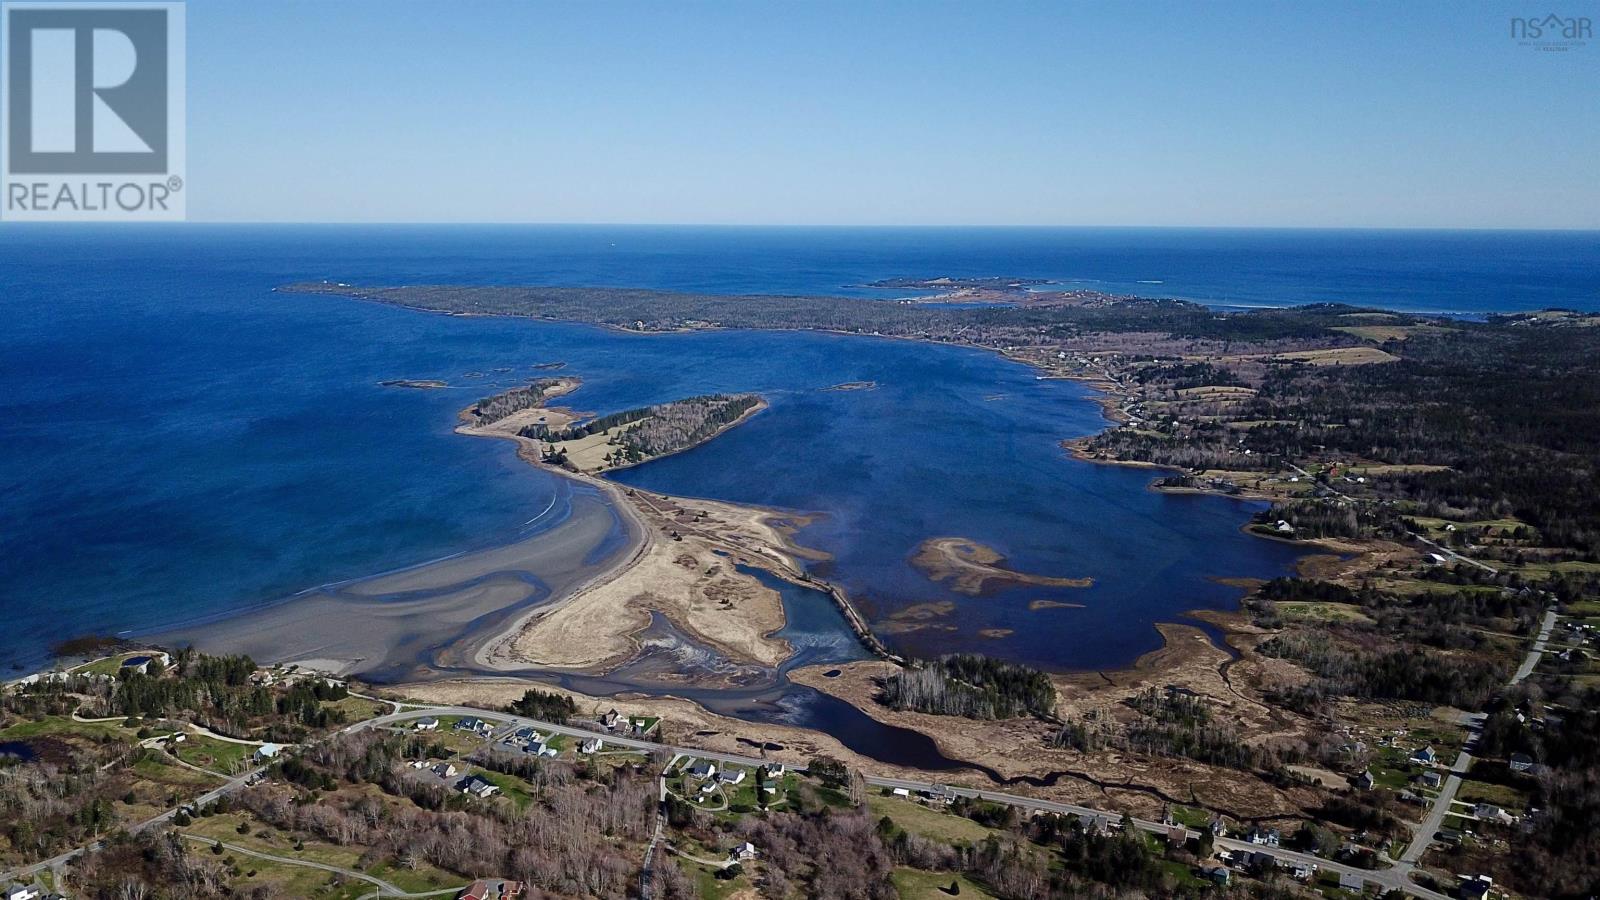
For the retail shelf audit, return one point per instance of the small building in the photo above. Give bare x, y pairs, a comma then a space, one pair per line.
426, 724
1431, 780
1491, 813
494, 889
539, 748
703, 769
23, 892
742, 853
445, 770
1476, 888
1266, 837
478, 786
1364, 781
731, 776
591, 745
1450, 836
1177, 836
1521, 762
1261, 861
1302, 871
939, 795
610, 719
900, 792
267, 752
1283, 527
1217, 875
474, 725
1426, 756
1350, 881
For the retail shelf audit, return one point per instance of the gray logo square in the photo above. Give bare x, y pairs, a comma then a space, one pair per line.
110, 67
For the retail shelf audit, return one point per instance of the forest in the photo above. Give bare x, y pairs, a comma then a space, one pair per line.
973, 686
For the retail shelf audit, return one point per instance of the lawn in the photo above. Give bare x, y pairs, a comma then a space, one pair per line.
217, 756
929, 823
509, 785
1508, 798
60, 726
919, 884
267, 840
357, 709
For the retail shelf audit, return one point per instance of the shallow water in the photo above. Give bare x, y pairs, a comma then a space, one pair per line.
177, 442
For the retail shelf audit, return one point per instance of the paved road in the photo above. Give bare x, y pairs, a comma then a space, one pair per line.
27, 873
1434, 820
1393, 878
1539, 643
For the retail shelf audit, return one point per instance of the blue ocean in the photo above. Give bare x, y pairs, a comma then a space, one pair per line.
177, 441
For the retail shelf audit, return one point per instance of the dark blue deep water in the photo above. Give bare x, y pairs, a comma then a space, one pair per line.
177, 441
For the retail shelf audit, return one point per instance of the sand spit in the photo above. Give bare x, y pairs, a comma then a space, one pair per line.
974, 569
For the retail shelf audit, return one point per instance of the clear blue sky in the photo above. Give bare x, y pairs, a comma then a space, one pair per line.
1413, 114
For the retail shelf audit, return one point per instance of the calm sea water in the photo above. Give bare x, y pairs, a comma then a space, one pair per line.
176, 440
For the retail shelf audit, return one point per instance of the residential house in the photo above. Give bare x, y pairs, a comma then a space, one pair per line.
1261, 862
591, 745
494, 889
23, 892
267, 752
539, 748
1476, 888
1491, 813
1218, 875
1350, 881
1431, 780
939, 795
1521, 762
426, 724
610, 719
1364, 781
477, 786
1450, 836
703, 769
900, 792
1177, 836
742, 853
445, 770
776, 770
1266, 837
1426, 756
474, 725
1302, 871
731, 776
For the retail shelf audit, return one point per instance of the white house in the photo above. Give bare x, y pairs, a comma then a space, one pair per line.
591, 745
1350, 881
703, 769
22, 892
742, 853
731, 776
445, 770
427, 724
900, 792
267, 751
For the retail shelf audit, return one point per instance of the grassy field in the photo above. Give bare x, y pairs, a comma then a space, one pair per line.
265, 840
1312, 611
61, 726
930, 823
357, 709
218, 756
1507, 798
918, 884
